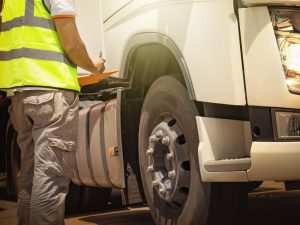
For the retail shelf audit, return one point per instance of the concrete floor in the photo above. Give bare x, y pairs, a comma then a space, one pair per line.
270, 205
8, 212
125, 216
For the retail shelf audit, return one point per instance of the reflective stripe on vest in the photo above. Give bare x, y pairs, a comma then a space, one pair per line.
35, 54
30, 20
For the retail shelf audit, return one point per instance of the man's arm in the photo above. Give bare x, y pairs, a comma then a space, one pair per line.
74, 47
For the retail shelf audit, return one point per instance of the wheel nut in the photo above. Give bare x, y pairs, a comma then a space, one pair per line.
168, 185
155, 183
172, 174
159, 134
162, 191
170, 156
150, 169
149, 151
153, 138
165, 140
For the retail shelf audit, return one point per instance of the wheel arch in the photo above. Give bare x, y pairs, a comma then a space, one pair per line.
147, 56
155, 42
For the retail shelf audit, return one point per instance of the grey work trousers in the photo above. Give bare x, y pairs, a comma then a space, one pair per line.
47, 126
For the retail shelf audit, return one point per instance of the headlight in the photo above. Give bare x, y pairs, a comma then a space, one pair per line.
288, 39
287, 125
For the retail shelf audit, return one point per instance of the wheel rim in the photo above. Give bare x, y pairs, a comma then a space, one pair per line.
168, 166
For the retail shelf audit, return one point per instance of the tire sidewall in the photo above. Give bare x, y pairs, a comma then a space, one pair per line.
13, 157
168, 95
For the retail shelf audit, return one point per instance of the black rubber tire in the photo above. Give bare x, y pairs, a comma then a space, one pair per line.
4, 117
94, 198
13, 157
72, 202
84, 198
254, 185
228, 203
168, 95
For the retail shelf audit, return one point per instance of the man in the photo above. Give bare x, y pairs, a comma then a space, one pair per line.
39, 45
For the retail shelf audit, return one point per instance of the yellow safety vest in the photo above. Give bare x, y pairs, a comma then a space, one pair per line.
30, 51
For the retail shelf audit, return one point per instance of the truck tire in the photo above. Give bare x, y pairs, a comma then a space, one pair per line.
254, 185
85, 199
94, 198
13, 157
72, 202
168, 158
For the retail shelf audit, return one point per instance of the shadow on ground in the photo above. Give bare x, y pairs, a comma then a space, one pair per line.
124, 217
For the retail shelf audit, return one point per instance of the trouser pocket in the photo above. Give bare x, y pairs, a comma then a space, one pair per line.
40, 107
63, 157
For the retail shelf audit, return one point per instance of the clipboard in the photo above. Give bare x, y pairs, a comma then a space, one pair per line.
85, 80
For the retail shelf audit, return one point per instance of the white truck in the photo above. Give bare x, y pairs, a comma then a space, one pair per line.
206, 101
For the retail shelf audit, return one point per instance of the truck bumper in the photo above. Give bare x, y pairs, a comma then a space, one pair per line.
274, 161
227, 153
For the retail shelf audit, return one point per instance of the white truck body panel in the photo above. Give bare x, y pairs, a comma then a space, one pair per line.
211, 55
274, 161
89, 23
206, 35
110, 7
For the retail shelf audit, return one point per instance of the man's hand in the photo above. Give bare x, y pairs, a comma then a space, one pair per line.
99, 64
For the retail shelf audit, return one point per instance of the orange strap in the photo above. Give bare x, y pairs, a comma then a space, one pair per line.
62, 17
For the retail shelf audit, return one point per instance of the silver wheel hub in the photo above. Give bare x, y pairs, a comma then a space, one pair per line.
167, 160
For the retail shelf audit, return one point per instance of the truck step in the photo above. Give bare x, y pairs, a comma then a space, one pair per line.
228, 165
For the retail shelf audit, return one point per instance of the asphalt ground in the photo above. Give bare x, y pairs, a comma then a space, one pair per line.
270, 204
